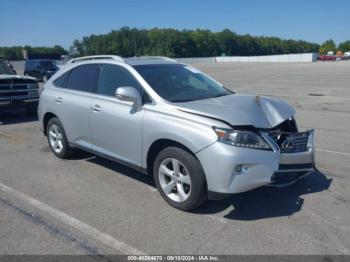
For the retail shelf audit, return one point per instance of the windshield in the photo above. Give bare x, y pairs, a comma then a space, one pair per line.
48, 64
181, 83
4, 69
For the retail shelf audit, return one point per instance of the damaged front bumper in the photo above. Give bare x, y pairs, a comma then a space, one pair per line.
229, 169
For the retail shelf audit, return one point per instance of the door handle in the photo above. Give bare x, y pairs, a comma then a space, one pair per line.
96, 108
59, 99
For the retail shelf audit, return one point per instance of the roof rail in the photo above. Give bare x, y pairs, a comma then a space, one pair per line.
96, 57
158, 57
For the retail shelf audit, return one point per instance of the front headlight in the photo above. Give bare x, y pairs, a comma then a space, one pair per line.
240, 138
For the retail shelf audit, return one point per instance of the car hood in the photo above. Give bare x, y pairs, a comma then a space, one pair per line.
5, 76
241, 110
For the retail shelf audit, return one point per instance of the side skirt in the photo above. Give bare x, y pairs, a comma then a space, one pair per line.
117, 160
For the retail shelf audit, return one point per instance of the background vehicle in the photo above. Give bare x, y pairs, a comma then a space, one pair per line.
40, 69
196, 137
346, 56
18, 90
7, 62
327, 57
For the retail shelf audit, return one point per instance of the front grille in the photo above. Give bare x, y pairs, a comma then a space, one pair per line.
12, 93
19, 93
19, 87
292, 142
5, 87
19, 90
18, 81
5, 82
12, 88
34, 92
5, 94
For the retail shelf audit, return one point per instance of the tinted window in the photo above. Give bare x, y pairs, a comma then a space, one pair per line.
34, 64
83, 78
28, 64
4, 69
61, 81
180, 83
113, 77
47, 64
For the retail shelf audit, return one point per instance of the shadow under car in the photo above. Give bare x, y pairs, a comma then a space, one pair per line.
257, 204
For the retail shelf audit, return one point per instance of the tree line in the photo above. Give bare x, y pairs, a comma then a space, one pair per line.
16, 52
329, 45
169, 42
185, 43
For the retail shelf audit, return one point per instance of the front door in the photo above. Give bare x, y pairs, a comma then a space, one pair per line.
116, 128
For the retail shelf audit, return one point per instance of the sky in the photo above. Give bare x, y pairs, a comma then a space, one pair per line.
49, 22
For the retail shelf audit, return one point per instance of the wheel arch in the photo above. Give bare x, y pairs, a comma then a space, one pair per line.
46, 120
159, 145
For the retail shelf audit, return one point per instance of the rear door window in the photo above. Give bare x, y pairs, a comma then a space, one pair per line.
83, 78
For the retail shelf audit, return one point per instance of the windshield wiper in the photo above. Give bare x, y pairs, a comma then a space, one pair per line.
182, 100
199, 98
221, 95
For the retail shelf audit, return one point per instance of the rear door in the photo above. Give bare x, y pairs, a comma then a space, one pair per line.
116, 129
73, 98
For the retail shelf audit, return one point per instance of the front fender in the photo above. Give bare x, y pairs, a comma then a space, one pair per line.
194, 132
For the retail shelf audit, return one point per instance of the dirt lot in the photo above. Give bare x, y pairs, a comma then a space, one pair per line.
89, 205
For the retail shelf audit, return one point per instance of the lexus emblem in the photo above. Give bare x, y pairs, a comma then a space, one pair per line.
287, 144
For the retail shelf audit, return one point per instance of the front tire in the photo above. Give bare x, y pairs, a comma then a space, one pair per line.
57, 139
179, 178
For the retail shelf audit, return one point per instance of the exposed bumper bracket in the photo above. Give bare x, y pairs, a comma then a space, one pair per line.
276, 184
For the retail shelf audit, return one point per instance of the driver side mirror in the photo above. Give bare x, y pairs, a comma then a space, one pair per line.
130, 94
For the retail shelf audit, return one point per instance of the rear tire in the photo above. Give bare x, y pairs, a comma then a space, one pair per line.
57, 139
180, 178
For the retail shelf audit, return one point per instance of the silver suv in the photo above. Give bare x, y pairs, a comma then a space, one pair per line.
197, 138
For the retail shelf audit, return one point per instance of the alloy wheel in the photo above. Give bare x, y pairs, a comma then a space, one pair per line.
56, 139
174, 179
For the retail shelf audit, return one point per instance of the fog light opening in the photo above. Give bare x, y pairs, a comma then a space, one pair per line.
239, 170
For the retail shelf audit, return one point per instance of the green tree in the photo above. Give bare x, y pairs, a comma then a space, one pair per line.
228, 42
170, 42
328, 45
344, 46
